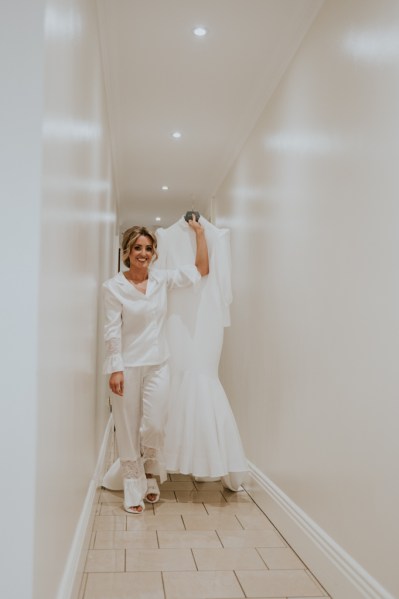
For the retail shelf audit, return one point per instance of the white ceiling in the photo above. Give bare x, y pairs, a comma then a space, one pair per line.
160, 78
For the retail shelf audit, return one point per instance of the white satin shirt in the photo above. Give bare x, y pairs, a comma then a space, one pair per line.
135, 321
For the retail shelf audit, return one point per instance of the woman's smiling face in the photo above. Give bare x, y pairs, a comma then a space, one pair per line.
141, 253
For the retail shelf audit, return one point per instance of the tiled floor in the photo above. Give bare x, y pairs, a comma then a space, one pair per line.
199, 542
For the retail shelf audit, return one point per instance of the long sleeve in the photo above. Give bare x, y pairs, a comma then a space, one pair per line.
112, 332
221, 263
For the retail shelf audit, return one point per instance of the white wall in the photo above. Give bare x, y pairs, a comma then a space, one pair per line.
57, 239
21, 82
77, 232
310, 362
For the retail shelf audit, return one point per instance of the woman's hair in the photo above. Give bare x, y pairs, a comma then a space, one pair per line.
130, 237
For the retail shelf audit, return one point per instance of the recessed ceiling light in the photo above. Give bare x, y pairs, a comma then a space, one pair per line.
200, 31
176, 134
165, 188
157, 218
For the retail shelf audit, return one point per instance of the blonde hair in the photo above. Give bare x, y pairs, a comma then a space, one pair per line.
130, 237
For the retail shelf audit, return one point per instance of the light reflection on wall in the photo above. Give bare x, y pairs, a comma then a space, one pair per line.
301, 143
62, 24
67, 185
71, 130
373, 46
78, 216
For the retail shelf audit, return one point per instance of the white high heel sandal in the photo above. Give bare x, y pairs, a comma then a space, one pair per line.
132, 496
152, 489
132, 509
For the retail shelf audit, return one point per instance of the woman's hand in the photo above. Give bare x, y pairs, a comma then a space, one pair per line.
201, 258
116, 383
194, 224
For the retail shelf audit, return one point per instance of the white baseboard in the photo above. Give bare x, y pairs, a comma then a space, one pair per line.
342, 576
70, 581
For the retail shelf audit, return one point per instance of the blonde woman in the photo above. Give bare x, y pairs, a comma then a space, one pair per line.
136, 357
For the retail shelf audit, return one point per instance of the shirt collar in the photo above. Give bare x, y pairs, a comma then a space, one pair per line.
122, 280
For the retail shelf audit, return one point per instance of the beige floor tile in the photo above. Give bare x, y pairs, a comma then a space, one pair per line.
254, 520
112, 509
151, 560
200, 496
228, 559
251, 538
199, 538
211, 522
233, 508
317, 583
179, 508
178, 476
105, 560
201, 585
179, 485
125, 585
209, 486
158, 522
241, 497
281, 558
92, 540
125, 539
277, 583
109, 523
111, 496
82, 588
167, 496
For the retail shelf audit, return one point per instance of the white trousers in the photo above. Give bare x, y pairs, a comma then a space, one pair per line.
139, 418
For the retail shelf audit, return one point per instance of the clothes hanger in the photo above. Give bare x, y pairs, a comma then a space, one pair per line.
189, 215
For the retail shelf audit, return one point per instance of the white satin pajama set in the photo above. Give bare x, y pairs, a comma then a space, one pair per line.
136, 344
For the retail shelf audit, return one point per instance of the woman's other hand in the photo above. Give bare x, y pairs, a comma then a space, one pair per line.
116, 382
194, 224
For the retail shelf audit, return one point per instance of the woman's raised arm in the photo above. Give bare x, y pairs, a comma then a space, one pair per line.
201, 258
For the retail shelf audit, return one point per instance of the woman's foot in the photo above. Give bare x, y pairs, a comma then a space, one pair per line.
135, 509
133, 493
153, 493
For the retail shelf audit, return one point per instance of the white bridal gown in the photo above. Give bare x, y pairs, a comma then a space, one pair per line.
201, 437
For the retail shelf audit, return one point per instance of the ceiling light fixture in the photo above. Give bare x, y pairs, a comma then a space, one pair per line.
176, 135
157, 218
165, 188
200, 31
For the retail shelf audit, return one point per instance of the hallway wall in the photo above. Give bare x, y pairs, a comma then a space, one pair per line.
20, 181
77, 244
310, 361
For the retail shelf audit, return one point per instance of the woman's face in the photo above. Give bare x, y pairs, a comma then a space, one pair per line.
141, 253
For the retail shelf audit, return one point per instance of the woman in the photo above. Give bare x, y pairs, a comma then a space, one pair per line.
136, 357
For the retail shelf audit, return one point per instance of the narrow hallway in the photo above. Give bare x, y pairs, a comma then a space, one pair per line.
199, 541
278, 121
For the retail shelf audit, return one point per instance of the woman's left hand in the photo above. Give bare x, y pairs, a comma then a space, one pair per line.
194, 224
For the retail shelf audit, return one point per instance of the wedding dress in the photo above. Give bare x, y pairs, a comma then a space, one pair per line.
201, 437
